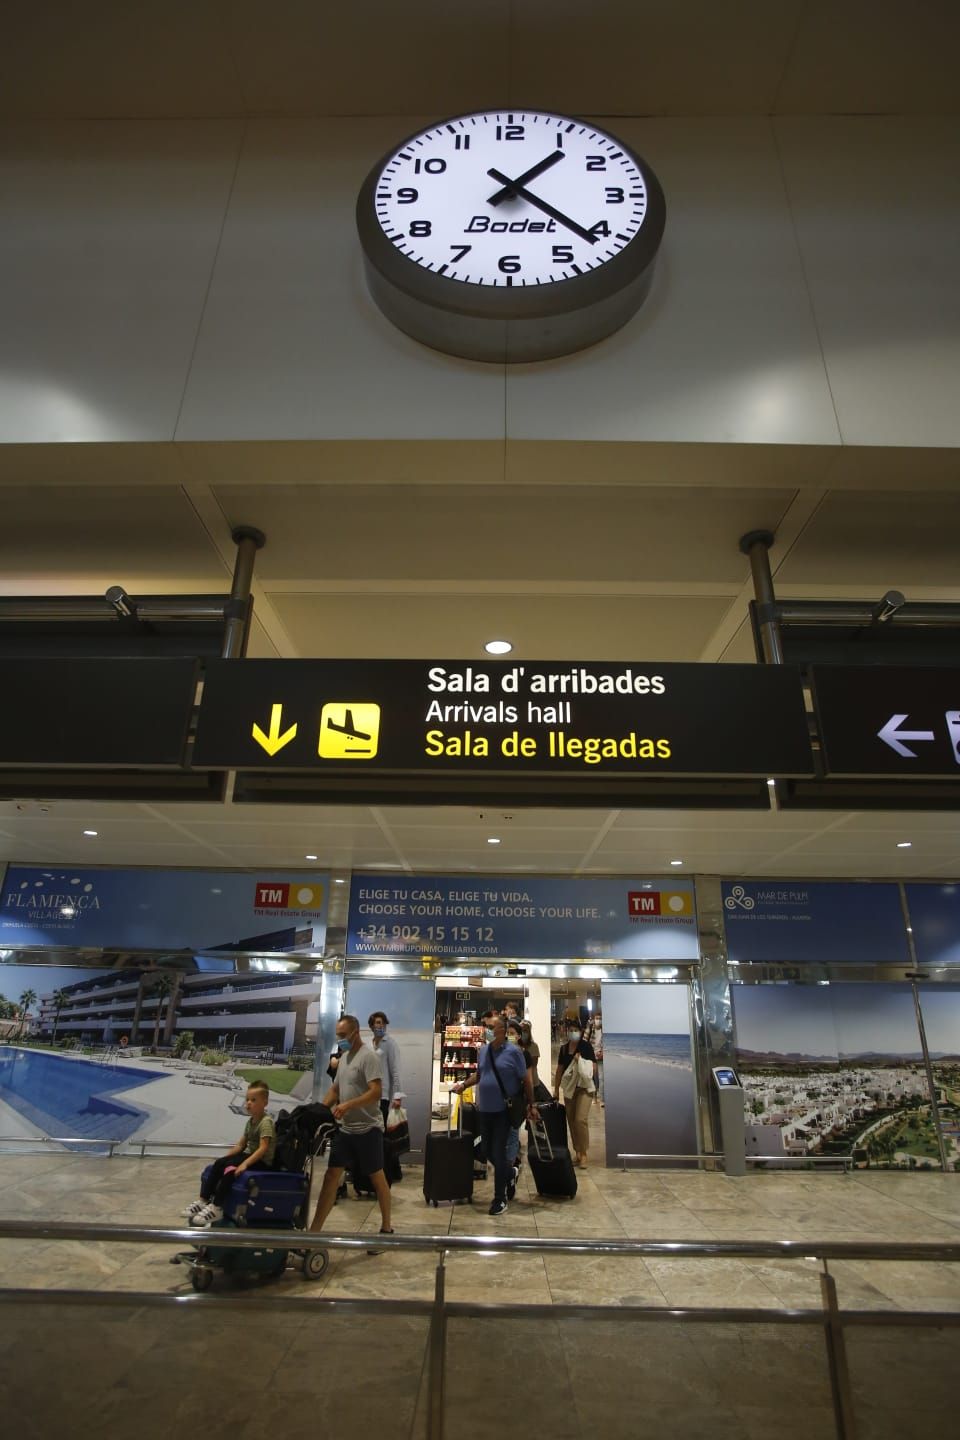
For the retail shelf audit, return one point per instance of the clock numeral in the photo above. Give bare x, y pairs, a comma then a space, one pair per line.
509, 264
407, 195
461, 251
510, 132
461, 142
596, 162
614, 195
420, 228
563, 254
434, 166
601, 228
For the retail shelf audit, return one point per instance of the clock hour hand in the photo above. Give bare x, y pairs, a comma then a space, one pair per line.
531, 199
509, 192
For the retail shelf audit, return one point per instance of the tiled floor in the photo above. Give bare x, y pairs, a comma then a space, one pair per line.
622, 1379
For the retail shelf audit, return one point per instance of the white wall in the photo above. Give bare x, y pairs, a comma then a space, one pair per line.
192, 280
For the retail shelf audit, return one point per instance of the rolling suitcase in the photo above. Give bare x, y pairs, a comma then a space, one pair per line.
554, 1118
448, 1165
550, 1165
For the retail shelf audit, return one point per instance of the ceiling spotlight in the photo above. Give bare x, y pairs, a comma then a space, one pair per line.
493, 840
91, 832
676, 862
498, 647
309, 857
771, 782
904, 844
339, 882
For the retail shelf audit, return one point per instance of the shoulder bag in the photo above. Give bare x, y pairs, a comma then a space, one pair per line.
516, 1104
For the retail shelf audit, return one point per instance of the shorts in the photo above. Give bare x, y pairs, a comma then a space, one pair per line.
359, 1152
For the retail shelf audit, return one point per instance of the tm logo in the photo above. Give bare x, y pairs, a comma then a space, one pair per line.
650, 904
272, 895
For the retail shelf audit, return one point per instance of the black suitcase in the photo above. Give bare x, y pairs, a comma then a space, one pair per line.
550, 1165
554, 1117
448, 1166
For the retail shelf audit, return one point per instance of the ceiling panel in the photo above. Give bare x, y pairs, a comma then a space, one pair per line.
137, 536
878, 540
557, 627
574, 533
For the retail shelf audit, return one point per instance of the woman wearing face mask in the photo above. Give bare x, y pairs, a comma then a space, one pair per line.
388, 1050
578, 1099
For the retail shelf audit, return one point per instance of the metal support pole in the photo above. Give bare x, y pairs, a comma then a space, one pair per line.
438, 1355
756, 546
837, 1358
236, 630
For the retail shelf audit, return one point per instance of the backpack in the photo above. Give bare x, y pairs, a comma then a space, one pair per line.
302, 1134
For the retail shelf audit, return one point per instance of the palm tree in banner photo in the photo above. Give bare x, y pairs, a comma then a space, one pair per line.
161, 990
26, 1000
59, 1000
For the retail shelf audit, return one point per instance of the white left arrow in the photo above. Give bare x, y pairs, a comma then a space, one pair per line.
892, 735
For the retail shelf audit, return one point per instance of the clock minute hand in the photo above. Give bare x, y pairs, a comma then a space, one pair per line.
509, 191
532, 199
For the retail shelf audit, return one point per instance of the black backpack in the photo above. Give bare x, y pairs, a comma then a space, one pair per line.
302, 1134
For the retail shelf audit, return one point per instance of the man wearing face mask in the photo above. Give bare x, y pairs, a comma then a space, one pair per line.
500, 1076
354, 1098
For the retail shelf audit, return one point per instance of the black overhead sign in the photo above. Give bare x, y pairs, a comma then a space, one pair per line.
117, 713
616, 720
883, 721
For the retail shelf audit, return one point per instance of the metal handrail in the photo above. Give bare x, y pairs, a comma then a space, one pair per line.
891, 1250
830, 1317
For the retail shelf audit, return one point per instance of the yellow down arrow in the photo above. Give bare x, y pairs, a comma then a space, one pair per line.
274, 741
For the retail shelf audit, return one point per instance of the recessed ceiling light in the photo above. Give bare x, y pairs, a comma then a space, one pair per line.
309, 857
771, 782
91, 832
498, 647
676, 862
339, 882
493, 840
904, 844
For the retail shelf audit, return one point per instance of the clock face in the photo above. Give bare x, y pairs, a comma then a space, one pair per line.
511, 199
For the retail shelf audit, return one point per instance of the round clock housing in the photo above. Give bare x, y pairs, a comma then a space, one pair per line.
510, 235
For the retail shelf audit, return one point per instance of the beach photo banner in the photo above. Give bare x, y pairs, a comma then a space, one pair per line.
648, 1075
807, 921
409, 1005
163, 909
522, 918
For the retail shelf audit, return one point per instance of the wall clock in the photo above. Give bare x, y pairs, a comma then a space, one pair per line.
510, 235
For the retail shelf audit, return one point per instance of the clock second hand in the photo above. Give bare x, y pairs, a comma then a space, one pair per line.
509, 192
528, 195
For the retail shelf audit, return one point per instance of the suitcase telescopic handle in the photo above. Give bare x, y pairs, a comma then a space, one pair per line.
541, 1140
459, 1129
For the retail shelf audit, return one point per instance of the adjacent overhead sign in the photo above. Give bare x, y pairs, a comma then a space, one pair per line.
525, 918
623, 720
64, 712
902, 721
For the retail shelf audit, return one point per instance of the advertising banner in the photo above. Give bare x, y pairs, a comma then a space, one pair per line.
529, 918
409, 1006
163, 909
940, 1006
834, 1070
829, 923
935, 917
648, 1075
136, 1055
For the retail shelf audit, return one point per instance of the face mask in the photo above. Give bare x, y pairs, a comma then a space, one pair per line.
573, 1034
344, 1045
379, 1031
513, 1039
488, 1035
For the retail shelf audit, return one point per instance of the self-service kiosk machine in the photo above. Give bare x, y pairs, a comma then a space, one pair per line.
730, 1094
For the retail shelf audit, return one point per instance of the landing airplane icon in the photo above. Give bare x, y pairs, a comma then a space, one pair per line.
348, 728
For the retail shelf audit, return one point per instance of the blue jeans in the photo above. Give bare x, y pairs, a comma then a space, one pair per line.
495, 1128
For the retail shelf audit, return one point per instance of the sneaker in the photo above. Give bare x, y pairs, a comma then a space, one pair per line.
204, 1218
193, 1208
499, 1207
512, 1185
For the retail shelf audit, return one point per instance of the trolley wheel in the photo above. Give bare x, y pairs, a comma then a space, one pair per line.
201, 1277
315, 1263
